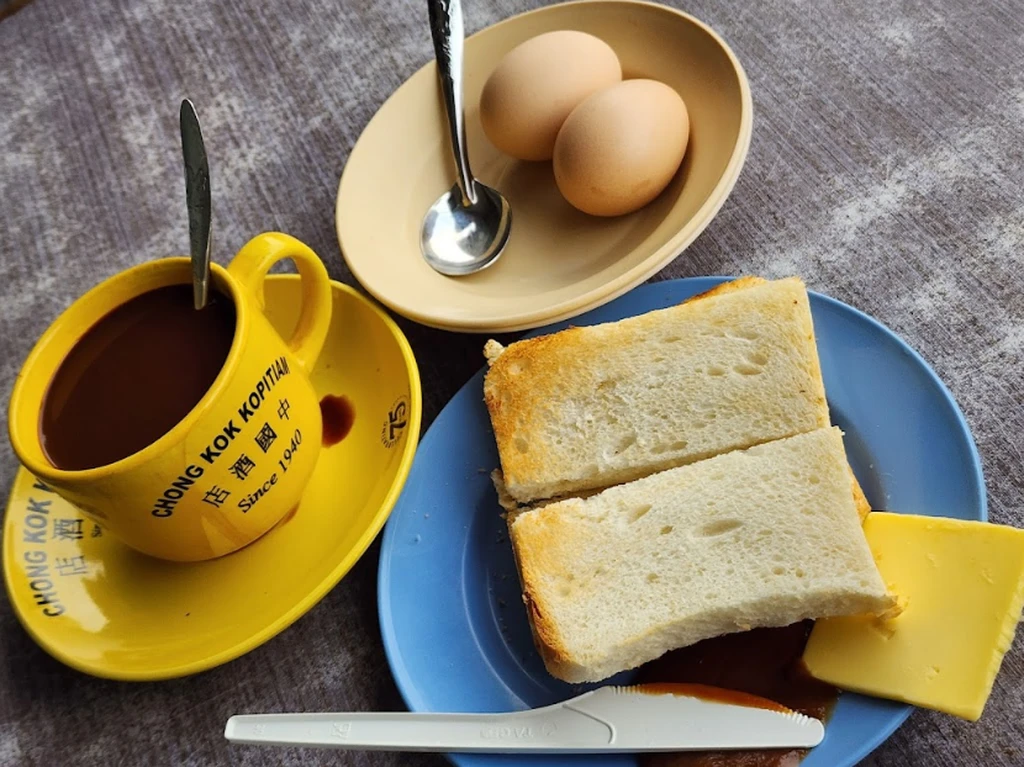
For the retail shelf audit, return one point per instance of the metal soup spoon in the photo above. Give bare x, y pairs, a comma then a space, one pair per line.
468, 227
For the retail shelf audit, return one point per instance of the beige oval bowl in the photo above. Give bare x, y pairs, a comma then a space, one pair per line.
559, 262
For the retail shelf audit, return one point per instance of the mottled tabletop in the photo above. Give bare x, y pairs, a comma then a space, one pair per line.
886, 168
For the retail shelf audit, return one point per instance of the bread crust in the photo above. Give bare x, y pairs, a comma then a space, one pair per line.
546, 636
732, 286
859, 499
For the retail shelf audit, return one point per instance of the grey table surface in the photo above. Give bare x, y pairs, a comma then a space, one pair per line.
887, 169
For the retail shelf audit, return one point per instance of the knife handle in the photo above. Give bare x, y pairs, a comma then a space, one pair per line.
551, 729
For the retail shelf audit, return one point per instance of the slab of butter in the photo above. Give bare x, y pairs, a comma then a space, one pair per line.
962, 585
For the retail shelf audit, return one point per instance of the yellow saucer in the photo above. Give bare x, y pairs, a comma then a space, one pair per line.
559, 262
104, 609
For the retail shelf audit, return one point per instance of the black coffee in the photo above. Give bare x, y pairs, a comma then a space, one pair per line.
133, 376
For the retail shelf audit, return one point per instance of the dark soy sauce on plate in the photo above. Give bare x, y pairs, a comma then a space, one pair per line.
762, 662
133, 376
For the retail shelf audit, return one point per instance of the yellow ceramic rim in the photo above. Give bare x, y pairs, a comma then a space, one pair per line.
316, 594
625, 281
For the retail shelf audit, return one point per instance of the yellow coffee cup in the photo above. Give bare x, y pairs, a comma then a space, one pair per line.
238, 462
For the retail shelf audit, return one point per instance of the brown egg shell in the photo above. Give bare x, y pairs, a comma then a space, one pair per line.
620, 148
535, 87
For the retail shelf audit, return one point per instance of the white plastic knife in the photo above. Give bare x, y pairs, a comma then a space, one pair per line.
661, 717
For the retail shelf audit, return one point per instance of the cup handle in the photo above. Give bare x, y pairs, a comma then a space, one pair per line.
250, 268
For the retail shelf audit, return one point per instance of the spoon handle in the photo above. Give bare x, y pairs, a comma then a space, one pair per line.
447, 32
551, 729
197, 197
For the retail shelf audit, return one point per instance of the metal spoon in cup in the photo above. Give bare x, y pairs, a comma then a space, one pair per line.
468, 227
197, 197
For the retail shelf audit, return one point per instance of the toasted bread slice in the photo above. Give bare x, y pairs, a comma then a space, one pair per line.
596, 406
762, 537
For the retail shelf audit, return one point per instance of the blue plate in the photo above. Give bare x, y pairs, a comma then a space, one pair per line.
451, 616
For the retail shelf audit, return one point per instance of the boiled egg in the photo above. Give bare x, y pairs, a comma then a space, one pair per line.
537, 84
621, 147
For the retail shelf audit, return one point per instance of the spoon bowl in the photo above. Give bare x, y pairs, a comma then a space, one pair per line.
461, 237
